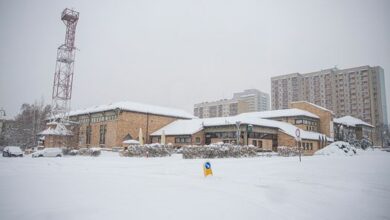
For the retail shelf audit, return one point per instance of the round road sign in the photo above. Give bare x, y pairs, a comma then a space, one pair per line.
298, 132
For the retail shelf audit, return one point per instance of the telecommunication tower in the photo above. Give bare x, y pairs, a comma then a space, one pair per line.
63, 76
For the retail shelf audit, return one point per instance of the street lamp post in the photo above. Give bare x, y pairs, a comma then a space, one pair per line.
238, 123
3, 113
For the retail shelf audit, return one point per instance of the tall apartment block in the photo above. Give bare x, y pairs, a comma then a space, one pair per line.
359, 92
249, 100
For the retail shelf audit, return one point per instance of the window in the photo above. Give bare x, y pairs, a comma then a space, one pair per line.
88, 133
254, 143
156, 140
183, 140
197, 140
103, 130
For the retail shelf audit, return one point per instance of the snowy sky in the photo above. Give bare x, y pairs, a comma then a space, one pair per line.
180, 52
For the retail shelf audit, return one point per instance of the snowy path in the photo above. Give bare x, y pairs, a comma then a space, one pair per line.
111, 187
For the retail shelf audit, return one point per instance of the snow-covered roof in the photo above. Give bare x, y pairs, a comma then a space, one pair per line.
317, 106
181, 127
351, 121
280, 113
59, 130
188, 127
134, 107
247, 95
7, 118
290, 129
130, 142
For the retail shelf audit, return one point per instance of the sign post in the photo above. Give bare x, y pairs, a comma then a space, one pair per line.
207, 169
298, 137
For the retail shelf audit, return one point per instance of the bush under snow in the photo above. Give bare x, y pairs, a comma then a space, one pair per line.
149, 150
285, 151
218, 151
337, 148
84, 151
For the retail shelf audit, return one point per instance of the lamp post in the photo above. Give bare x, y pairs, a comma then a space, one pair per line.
383, 137
3, 113
238, 123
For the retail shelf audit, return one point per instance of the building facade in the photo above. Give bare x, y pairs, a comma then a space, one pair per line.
359, 92
110, 125
269, 129
249, 100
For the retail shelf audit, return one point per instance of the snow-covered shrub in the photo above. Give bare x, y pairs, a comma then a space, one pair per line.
267, 154
365, 143
218, 151
93, 151
73, 152
337, 148
149, 150
285, 151
66, 151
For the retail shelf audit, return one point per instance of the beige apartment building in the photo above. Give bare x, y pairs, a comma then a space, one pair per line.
359, 92
249, 100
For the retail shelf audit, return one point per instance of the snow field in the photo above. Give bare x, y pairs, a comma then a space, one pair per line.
112, 187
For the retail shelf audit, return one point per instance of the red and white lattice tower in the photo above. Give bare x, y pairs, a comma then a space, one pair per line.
63, 76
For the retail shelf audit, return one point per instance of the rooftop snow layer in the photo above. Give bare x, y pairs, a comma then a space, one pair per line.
59, 130
181, 127
131, 142
188, 127
135, 107
318, 106
280, 113
351, 121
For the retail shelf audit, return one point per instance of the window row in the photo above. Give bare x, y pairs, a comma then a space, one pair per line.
185, 140
305, 122
98, 119
307, 146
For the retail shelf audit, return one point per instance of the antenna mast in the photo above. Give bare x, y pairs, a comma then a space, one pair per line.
63, 76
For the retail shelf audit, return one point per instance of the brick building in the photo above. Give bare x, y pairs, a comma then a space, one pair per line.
353, 127
110, 125
269, 129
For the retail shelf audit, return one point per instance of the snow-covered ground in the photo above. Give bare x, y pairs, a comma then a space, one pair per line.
112, 187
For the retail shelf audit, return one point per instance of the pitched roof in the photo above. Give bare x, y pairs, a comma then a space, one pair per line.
134, 107
189, 127
351, 121
59, 130
317, 106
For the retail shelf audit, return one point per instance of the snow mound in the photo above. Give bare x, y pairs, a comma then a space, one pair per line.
338, 148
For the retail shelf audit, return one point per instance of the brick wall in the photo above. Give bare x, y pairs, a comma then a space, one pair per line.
326, 117
125, 123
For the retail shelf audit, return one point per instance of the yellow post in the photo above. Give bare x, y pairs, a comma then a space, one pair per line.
207, 169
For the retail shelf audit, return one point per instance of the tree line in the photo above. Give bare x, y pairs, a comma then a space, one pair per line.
23, 129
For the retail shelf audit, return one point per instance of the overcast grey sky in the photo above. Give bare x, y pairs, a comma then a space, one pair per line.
180, 52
